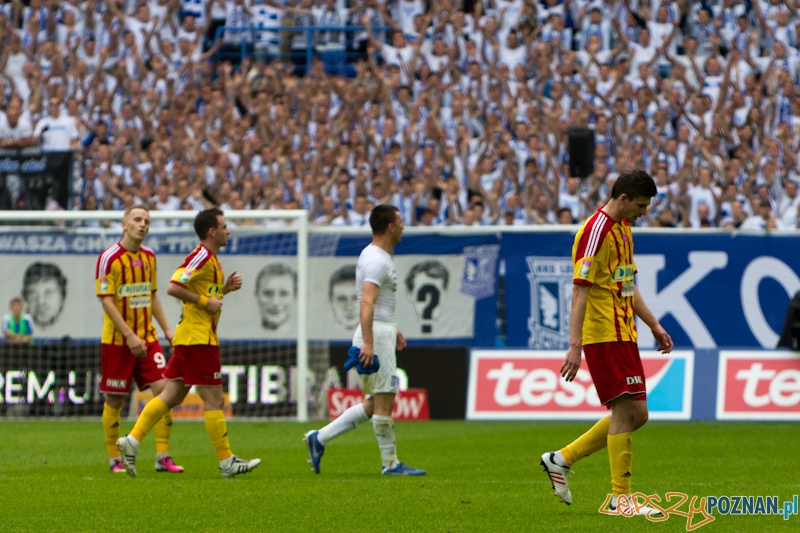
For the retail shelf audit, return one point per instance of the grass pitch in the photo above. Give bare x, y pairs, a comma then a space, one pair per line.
481, 477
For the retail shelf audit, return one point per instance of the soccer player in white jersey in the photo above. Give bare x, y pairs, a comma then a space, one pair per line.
376, 286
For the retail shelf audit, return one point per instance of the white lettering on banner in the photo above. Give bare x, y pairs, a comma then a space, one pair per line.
504, 375
785, 381
540, 387
408, 405
13, 389
233, 372
273, 384
40, 392
672, 298
756, 271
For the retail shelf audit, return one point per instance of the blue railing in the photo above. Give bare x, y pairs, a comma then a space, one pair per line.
335, 57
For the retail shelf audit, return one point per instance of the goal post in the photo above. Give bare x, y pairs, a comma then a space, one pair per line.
263, 243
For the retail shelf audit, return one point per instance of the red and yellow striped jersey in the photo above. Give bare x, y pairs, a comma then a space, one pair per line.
602, 256
201, 273
130, 277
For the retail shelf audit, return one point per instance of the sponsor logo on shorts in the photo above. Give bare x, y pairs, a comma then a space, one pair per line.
756, 386
633, 380
217, 375
527, 385
117, 383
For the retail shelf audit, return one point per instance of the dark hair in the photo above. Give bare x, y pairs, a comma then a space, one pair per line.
277, 270
433, 269
346, 274
381, 217
635, 183
38, 272
206, 220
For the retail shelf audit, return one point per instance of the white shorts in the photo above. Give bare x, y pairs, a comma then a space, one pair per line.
385, 342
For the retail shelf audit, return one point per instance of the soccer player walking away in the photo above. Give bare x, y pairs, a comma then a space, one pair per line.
126, 283
200, 284
602, 322
376, 335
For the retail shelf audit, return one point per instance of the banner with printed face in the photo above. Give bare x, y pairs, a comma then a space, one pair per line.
439, 289
708, 290
34, 182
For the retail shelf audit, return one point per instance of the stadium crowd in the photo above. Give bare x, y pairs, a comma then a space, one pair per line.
457, 114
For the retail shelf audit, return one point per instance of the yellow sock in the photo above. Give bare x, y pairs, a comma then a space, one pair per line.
592, 441
620, 455
151, 414
111, 429
162, 431
218, 431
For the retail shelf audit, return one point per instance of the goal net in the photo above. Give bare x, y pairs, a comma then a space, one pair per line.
275, 357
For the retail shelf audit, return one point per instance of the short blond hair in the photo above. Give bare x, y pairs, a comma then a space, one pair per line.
132, 207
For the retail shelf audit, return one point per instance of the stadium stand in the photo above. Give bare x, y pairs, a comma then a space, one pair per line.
458, 114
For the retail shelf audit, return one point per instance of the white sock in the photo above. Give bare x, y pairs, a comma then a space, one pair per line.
226, 463
161, 455
384, 432
114, 460
559, 459
347, 421
134, 442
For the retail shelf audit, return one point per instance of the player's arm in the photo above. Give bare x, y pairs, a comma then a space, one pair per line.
211, 304
665, 343
367, 312
572, 362
401, 341
135, 343
161, 317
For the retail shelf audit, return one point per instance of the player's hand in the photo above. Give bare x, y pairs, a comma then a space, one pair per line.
367, 355
234, 282
214, 304
137, 345
665, 344
401, 341
168, 334
572, 362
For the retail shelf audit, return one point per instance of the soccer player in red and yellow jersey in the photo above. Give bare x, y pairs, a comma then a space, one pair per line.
126, 283
605, 302
200, 284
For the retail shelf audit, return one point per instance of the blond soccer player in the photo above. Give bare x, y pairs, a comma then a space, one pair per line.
126, 283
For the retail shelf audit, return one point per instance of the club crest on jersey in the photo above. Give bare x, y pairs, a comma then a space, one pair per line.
551, 301
185, 275
480, 264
